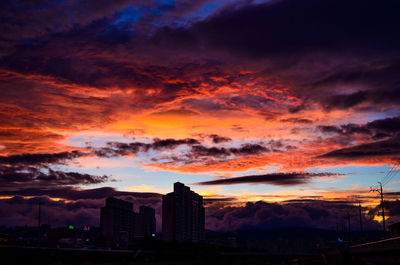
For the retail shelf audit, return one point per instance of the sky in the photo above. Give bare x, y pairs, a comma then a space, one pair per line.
279, 113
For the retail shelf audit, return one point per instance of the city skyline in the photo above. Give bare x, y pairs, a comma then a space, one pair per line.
276, 113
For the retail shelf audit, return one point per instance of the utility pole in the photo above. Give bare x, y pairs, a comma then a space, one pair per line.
360, 213
383, 208
380, 191
39, 223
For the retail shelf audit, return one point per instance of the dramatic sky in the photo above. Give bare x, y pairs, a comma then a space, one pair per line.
279, 112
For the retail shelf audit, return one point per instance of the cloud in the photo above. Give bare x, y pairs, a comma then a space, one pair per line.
74, 193
40, 158
120, 149
377, 129
389, 148
244, 150
279, 179
171, 143
11, 177
263, 215
85, 209
176, 112
326, 54
216, 139
32, 19
324, 25
297, 120
392, 210
347, 129
20, 211
376, 82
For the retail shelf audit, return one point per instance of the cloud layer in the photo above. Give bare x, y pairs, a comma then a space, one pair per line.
280, 179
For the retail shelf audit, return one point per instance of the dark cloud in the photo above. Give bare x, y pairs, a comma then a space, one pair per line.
219, 200
40, 158
196, 151
377, 129
388, 125
199, 150
344, 101
347, 129
20, 211
263, 215
392, 210
243, 150
328, 50
249, 149
24, 21
316, 29
296, 109
280, 179
73, 193
176, 112
377, 83
172, 143
388, 148
297, 120
216, 139
11, 177
120, 149
259, 30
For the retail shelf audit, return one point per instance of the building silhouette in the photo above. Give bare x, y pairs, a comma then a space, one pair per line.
119, 224
182, 215
148, 221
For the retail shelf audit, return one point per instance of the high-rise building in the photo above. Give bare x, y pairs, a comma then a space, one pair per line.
148, 218
182, 215
145, 222
120, 224
117, 221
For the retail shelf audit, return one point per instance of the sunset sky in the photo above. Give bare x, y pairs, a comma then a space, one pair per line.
292, 102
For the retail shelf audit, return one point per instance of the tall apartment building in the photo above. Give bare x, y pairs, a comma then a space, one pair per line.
120, 224
183, 215
148, 217
145, 222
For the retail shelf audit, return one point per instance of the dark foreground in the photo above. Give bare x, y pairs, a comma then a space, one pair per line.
382, 252
33, 256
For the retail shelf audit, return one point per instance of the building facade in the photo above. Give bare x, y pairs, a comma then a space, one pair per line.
183, 215
119, 224
147, 216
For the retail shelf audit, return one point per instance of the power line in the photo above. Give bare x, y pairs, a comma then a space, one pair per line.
390, 173
387, 174
394, 173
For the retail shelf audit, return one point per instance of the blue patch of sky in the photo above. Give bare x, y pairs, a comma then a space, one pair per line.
265, 170
383, 115
127, 176
255, 189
